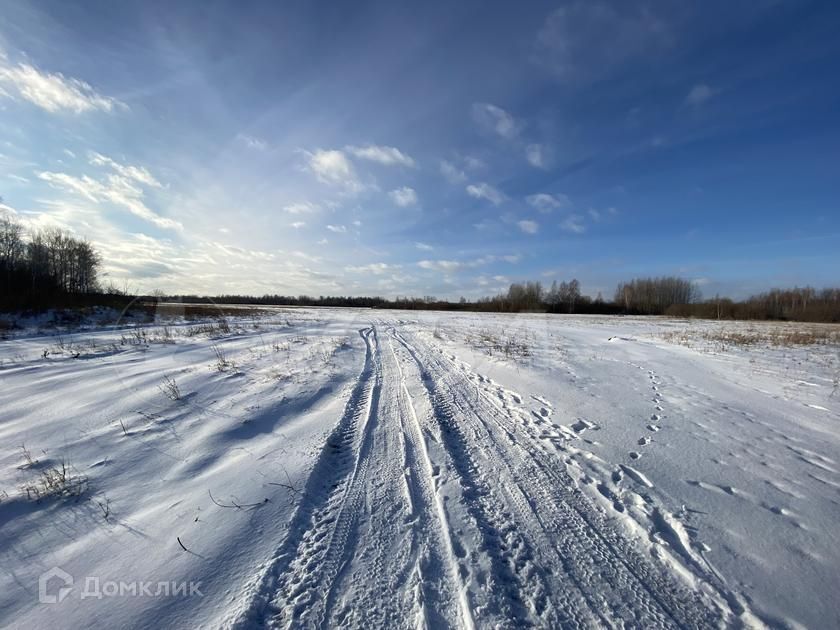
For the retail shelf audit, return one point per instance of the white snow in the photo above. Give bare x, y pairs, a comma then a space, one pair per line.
373, 468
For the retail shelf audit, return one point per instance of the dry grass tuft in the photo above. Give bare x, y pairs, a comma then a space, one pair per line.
772, 335
492, 344
56, 481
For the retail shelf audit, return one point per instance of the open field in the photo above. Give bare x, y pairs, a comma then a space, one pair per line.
371, 468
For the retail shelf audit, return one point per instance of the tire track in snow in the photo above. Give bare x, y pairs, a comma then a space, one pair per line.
432, 505
516, 592
369, 545
401, 569
618, 585
290, 592
415, 436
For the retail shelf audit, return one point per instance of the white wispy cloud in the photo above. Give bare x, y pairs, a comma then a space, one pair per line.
473, 163
441, 265
483, 190
452, 173
546, 203
423, 246
306, 256
117, 189
389, 156
252, 142
596, 215
699, 94
564, 43
183, 264
7, 209
537, 156
85, 186
138, 173
376, 269
527, 226
404, 196
300, 207
332, 167
298, 224
338, 229
143, 258
573, 223
495, 119
52, 92
450, 266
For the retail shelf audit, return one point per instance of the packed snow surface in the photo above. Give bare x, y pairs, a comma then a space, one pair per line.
367, 468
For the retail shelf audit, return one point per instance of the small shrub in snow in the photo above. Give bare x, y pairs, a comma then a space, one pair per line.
223, 364
28, 462
491, 343
281, 375
104, 505
220, 327
135, 337
325, 354
170, 388
165, 335
56, 481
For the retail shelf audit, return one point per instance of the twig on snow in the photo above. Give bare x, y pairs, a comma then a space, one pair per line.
288, 485
236, 505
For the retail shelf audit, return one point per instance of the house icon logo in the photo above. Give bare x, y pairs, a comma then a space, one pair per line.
58, 577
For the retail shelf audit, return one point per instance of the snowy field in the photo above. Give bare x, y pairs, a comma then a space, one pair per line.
367, 469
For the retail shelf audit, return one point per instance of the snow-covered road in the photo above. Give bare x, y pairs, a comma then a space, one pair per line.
442, 491
422, 470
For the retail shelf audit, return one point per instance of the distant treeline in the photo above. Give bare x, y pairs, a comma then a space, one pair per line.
654, 296
797, 304
530, 296
676, 297
42, 268
50, 268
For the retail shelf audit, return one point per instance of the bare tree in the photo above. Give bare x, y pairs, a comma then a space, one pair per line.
653, 296
44, 263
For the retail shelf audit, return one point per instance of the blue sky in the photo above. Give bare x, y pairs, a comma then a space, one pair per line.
428, 148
